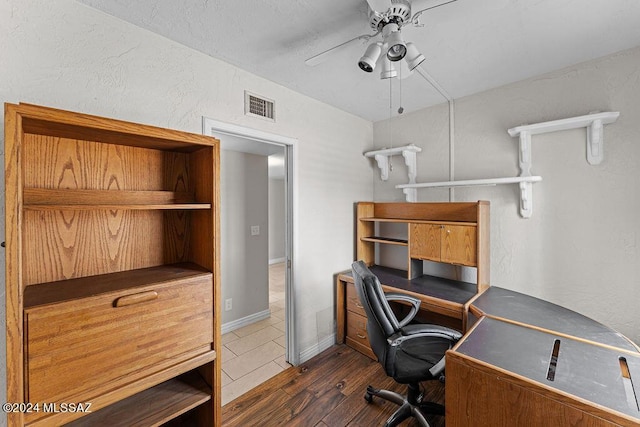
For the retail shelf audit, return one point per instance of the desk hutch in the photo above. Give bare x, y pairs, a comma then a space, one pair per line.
450, 233
112, 277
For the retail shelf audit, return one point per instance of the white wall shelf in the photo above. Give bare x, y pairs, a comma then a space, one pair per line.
595, 135
595, 149
525, 183
382, 158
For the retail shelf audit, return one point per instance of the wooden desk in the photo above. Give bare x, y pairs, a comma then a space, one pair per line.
499, 373
516, 307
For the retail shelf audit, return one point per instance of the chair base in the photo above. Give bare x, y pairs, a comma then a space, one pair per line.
410, 406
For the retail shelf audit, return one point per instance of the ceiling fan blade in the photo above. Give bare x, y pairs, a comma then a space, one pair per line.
379, 5
322, 56
419, 6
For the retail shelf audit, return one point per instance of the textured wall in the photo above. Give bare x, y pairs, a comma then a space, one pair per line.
581, 248
66, 55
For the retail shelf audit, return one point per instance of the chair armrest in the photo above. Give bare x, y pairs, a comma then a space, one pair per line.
414, 302
428, 331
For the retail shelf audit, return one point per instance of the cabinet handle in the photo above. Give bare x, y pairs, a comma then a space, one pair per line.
359, 335
359, 305
135, 298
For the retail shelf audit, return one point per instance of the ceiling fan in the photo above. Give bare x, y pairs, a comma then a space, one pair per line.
387, 18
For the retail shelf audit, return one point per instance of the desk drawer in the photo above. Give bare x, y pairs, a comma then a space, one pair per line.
353, 302
80, 348
357, 337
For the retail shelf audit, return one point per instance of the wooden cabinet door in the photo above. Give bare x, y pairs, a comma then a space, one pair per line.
459, 245
424, 241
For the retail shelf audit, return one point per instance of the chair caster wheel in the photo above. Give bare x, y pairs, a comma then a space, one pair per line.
368, 397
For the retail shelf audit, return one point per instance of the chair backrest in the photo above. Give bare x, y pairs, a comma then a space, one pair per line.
381, 322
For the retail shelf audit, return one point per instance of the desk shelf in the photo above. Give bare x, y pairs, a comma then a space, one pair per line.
386, 240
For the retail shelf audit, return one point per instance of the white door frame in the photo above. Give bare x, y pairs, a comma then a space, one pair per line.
213, 127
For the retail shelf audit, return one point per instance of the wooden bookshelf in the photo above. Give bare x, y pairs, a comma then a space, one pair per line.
113, 286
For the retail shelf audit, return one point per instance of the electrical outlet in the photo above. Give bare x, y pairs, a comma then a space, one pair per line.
228, 304
255, 230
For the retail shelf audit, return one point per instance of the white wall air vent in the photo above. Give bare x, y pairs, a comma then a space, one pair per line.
259, 106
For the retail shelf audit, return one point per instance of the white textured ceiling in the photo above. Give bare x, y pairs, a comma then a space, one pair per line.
470, 45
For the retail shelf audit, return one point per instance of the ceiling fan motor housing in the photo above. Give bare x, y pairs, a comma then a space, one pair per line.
399, 13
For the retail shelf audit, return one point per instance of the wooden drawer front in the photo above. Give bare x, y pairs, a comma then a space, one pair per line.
357, 328
353, 302
78, 348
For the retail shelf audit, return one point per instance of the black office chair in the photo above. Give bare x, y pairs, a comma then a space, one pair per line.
408, 353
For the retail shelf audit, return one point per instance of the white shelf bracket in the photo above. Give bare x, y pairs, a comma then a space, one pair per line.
410, 194
383, 164
525, 153
410, 161
526, 199
595, 142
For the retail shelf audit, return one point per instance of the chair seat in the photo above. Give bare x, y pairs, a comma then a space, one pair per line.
415, 356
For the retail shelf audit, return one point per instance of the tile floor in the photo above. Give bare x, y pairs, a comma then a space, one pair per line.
253, 354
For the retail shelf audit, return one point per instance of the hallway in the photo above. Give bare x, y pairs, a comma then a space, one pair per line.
253, 354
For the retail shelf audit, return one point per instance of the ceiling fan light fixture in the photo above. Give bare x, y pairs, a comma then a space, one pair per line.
388, 70
392, 38
413, 57
368, 61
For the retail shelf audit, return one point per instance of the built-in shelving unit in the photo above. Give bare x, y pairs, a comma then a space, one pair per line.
112, 249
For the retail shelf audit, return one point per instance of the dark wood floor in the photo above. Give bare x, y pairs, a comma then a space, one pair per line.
327, 391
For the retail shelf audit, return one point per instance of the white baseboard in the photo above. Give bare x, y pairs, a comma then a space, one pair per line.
276, 260
245, 321
316, 349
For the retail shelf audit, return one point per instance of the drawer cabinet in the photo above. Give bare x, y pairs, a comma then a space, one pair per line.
356, 323
120, 336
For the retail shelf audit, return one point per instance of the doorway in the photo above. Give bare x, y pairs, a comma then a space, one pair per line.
255, 251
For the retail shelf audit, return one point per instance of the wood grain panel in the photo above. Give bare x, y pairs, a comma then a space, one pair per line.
353, 302
356, 335
177, 235
485, 399
62, 245
69, 339
59, 163
459, 245
365, 251
458, 212
93, 199
74, 125
204, 247
424, 241
484, 246
153, 406
13, 249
